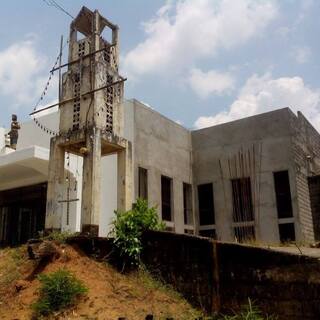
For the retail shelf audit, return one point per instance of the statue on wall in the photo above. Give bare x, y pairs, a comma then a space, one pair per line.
14, 133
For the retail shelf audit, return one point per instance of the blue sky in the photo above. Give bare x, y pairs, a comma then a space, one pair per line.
199, 62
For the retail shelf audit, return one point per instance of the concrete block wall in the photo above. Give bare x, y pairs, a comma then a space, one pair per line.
305, 161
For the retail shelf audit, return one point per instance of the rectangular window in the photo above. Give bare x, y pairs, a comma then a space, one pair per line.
242, 200
208, 233
283, 195
187, 204
286, 231
166, 198
206, 205
143, 183
245, 233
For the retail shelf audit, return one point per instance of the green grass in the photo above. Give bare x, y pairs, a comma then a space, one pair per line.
60, 236
58, 290
10, 262
248, 312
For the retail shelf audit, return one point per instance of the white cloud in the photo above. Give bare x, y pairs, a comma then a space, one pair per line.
181, 34
211, 82
21, 77
261, 94
283, 31
301, 54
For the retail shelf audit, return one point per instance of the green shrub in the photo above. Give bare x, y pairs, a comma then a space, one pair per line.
128, 228
58, 290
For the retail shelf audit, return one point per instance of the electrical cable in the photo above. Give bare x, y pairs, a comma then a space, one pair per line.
52, 3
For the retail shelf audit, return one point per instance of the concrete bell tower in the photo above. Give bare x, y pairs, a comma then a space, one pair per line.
91, 120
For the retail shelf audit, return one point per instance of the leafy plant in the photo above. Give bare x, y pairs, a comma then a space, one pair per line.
128, 228
249, 312
58, 290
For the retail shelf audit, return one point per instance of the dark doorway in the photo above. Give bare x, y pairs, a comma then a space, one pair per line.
287, 232
244, 233
242, 200
166, 198
206, 204
314, 191
22, 214
283, 194
210, 233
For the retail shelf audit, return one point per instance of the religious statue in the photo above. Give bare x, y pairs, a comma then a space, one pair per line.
14, 133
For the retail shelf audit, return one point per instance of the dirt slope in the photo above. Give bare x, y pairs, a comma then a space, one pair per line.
111, 294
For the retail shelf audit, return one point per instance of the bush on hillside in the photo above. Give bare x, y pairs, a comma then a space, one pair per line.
58, 290
128, 228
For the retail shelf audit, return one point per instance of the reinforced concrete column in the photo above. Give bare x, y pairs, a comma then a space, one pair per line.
91, 184
178, 214
125, 175
55, 187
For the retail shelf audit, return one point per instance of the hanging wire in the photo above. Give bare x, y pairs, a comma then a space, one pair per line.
52, 3
42, 96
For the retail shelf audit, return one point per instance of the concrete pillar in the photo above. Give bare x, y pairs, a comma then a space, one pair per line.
55, 187
125, 183
222, 197
177, 209
266, 214
91, 185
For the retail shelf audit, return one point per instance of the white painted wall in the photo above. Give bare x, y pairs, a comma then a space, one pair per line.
31, 135
109, 175
109, 193
2, 138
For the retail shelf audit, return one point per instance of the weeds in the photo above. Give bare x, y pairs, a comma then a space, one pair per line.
60, 236
58, 290
149, 282
10, 262
248, 312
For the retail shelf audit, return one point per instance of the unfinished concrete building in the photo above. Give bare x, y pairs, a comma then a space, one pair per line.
254, 178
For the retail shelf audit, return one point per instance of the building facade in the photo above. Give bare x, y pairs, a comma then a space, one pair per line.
254, 178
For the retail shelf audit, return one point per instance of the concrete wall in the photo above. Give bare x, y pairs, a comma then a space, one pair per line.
264, 139
163, 147
217, 276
